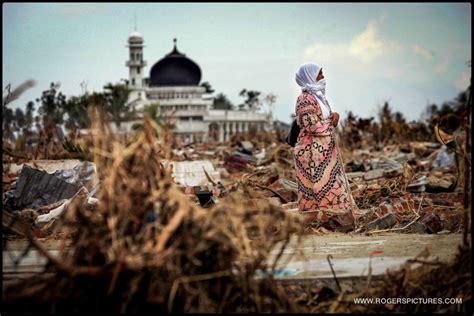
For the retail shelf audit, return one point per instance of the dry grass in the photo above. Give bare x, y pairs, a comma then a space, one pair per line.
188, 259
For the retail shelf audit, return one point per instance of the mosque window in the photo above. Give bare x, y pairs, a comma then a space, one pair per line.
133, 81
138, 70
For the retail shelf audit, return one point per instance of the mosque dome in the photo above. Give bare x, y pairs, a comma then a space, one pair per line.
175, 69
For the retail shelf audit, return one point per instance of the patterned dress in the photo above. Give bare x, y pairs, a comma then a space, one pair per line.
322, 191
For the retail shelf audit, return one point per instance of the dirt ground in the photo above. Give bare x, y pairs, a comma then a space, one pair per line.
341, 245
351, 254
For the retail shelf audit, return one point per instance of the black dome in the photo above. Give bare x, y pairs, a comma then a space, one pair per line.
175, 70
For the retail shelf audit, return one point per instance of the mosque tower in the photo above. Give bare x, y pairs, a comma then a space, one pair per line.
135, 65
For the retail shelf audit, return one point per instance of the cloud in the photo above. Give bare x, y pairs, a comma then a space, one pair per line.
425, 53
439, 64
368, 46
365, 47
463, 81
443, 66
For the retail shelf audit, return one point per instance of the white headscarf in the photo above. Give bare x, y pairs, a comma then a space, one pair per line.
306, 79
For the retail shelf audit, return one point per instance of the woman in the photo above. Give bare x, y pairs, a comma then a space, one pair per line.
323, 192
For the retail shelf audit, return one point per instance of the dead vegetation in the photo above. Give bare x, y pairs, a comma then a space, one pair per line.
432, 280
145, 247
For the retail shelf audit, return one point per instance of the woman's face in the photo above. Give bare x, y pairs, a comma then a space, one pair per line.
320, 75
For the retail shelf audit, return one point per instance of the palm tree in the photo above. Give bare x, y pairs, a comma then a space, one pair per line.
116, 103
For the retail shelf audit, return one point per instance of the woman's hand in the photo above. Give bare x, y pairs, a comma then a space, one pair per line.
334, 117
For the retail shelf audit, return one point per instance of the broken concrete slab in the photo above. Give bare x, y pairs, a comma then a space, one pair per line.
416, 228
436, 184
374, 174
50, 166
247, 145
353, 175
403, 157
56, 212
191, 173
418, 185
36, 188
385, 163
384, 222
433, 223
364, 215
452, 219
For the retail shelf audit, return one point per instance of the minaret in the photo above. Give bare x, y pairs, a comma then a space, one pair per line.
135, 65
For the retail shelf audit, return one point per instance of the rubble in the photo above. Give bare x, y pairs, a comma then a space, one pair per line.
443, 158
146, 237
374, 174
266, 172
386, 221
440, 182
36, 188
201, 227
193, 173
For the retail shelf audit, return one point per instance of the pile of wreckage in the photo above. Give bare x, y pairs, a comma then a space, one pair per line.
191, 229
411, 188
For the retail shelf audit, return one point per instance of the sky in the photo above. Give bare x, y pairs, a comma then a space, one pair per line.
409, 54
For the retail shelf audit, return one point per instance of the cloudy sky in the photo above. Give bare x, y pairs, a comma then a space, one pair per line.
407, 53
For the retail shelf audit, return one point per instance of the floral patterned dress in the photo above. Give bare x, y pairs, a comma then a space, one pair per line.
322, 191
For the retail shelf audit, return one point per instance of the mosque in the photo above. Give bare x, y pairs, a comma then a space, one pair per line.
174, 85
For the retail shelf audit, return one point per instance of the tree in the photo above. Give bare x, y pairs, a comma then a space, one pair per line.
399, 118
208, 87
270, 100
252, 101
76, 110
433, 112
385, 119
222, 103
116, 103
20, 119
30, 109
51, 110
8, 118
151, 111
